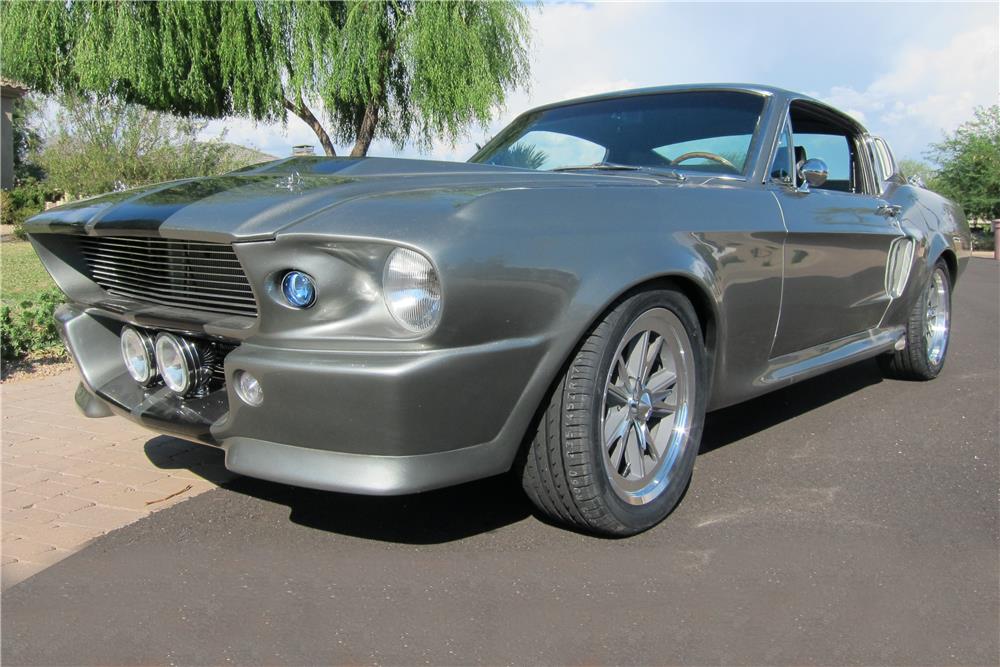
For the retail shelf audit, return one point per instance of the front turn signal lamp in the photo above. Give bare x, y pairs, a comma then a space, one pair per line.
248, 388
412, 290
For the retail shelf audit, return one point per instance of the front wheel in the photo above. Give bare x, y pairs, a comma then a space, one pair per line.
615, 448
928, 331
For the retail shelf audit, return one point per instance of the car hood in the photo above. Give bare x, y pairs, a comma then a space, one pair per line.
257, 203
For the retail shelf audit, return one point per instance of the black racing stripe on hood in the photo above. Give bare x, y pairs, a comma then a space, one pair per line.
148, 213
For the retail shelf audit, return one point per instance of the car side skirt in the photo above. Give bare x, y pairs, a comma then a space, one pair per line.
804, 364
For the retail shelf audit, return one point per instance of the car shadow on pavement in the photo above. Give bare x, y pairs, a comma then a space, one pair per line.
170, 453
433, 517
732, 424
458, 512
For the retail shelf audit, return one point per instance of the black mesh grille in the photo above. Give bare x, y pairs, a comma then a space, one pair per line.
184, 274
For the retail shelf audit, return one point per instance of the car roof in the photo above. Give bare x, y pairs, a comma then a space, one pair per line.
758, 89
652, 90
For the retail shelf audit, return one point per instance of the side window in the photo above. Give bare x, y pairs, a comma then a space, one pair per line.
835, 151
822, 133
782, 168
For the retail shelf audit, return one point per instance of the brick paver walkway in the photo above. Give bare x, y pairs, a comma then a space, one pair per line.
67, 479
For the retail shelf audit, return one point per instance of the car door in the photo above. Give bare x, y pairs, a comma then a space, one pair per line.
839, 237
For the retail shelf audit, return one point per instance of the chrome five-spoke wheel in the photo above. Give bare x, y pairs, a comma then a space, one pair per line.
645, 418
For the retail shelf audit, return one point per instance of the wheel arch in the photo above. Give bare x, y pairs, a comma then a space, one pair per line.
700, 296
705, 307
951, 261
695, 290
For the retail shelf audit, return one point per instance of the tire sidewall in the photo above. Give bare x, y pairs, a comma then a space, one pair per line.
636, 518
932, 370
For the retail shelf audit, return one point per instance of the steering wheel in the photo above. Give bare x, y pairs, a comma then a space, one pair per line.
707, 156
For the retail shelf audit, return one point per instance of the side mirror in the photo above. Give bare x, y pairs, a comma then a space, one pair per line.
916, 182
813, 173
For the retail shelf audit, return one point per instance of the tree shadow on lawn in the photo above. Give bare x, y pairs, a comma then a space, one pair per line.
478, 507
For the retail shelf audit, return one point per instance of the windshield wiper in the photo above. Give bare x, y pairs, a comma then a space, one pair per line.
612, 166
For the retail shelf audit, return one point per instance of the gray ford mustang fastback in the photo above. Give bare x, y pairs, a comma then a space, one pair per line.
568, 304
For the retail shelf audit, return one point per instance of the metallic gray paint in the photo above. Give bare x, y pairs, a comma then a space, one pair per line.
787, 285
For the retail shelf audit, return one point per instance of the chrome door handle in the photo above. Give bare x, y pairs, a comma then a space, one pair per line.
888, 210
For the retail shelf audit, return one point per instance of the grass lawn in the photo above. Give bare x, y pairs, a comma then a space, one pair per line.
21, 272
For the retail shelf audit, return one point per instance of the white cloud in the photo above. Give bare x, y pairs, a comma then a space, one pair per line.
927, 90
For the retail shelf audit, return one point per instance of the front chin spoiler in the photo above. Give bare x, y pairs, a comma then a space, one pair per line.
361, 473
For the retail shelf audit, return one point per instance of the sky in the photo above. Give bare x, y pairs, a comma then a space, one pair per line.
908, 71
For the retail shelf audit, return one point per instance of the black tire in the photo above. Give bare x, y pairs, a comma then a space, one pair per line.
564, 471
916, 361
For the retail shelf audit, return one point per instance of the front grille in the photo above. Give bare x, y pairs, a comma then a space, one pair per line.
184, 274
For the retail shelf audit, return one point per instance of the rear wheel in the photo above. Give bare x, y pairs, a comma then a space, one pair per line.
928, 331
616, 445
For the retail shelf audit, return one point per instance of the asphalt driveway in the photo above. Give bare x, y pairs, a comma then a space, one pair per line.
846, 520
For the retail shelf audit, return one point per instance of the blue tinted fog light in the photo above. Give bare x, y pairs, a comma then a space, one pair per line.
298, 289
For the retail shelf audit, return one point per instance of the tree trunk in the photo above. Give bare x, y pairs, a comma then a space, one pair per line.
369, 122
303, 112
367, 130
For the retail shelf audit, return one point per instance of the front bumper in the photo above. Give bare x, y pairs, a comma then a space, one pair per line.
372, 422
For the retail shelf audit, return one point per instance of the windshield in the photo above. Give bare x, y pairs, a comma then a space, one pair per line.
707, 131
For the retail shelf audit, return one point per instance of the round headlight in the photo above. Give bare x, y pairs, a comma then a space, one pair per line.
412, 290
298, 289
137, 352
177, 362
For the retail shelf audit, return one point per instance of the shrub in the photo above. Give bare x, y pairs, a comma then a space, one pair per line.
22, 202
102, 145
30, 326
983, 239
6, 208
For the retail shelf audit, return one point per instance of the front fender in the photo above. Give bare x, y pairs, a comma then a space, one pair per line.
544, 264
539, 266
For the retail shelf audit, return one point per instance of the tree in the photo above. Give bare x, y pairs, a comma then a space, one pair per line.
103, 145
925, 172
970, 164
25, 137
394, 69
